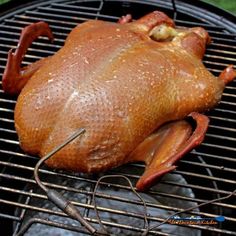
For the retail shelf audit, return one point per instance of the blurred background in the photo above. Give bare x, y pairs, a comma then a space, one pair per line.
228, 5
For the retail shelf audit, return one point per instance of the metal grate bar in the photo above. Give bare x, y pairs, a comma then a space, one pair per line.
71, 9
7, 101
35, 19
15, 31
228, 103
33, 13
64, 34
232, 47
10, 217
221, 33
64, 6
120, 212
218, 146
221, 57
34, 208
25, 206
222, 168
48, 222
220, 51
35, 57
216, 127
6, 110
225, 40
209, 170
223, 128
205, 165
196, 24
208, 134
9, 141
220, 137
18, 154
222, 118
46, 52
84, 205
181, 172
228, 87
14, 22
39, 57
93, 181
64, 20
228, 181
8, 130
224, 110
53, 12
229, 95
90, 14
216, 63
183, 161
193, 186
14, 41
27, 56
121, 199
6, 120
36, 43
214, 156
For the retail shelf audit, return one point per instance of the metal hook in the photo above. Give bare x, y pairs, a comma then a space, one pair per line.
175, 9
146, 225
65, 205
54, 196
187, 210
68, 208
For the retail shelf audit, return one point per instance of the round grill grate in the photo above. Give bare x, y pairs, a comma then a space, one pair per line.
205, 173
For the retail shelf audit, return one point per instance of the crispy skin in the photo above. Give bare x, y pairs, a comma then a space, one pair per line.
117, 83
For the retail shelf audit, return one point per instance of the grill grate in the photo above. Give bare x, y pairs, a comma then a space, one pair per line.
206, 173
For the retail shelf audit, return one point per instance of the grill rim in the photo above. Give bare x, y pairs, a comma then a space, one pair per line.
106, 1
223, 17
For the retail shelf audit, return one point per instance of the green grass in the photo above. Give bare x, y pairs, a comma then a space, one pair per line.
3, 1
228, 5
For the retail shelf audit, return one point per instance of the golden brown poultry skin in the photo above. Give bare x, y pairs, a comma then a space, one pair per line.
119, 81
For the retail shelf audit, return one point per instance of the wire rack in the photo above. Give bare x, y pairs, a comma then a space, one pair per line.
205, 173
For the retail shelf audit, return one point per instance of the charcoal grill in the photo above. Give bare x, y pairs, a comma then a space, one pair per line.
206, 173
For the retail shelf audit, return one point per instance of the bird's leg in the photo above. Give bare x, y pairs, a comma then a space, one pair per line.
162, 149
125, 19
228, 74
15, 77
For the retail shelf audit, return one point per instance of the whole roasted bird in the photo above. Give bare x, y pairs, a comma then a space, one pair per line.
129, 84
